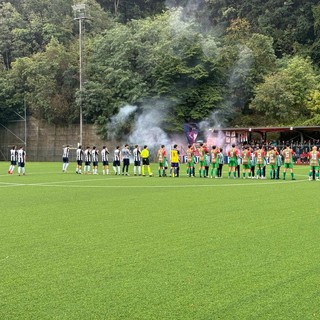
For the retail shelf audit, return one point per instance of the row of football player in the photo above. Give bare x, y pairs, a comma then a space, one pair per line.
89, 156
251, 158
246, 156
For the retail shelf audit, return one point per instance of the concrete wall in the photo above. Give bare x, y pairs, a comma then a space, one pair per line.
44, 141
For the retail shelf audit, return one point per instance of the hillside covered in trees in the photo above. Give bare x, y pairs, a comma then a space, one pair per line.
237, 63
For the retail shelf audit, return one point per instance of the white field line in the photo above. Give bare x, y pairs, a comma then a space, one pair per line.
13, 184
30, 174
156, 186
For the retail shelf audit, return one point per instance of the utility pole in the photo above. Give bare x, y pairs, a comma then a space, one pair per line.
79, 11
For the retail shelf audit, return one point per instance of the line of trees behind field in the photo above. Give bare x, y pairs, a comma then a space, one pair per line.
252, 63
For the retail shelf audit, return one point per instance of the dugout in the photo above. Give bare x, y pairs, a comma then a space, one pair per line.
303, 135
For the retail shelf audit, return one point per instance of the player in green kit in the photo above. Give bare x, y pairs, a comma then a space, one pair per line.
233, 160
214, 162
288, 161
272, 155
190, 161
162, 154
314, 157
202, 160
260, 156
246, 162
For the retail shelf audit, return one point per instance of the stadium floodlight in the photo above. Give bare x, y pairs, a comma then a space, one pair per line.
79, 11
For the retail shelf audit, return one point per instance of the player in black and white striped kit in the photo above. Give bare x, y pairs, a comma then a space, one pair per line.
116, 160
13, 159
95, 159
136, 160
87, 161
65, 158
79, 160
104, 159
126, 159
21, 161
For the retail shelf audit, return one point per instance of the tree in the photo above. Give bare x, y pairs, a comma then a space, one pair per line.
48, 81
283, 97
127, 10
149, 60
10, 102
247, 57
313, 105
10, 20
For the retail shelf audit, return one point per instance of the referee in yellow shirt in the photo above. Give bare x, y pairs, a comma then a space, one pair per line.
145, 161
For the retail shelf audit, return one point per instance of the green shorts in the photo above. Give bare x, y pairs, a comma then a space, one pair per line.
214, 165
190, 164
233, 163
246, 166
202, 163
162, 164
288, 165
315, 168
273, 167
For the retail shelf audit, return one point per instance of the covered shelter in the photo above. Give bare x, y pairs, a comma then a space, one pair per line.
300, 134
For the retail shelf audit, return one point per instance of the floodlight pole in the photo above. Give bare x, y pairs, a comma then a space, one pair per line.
25, 124
79, 11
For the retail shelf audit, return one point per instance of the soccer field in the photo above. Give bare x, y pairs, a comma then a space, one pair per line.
115, 247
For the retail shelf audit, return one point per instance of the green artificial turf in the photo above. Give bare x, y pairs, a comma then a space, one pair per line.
115, 247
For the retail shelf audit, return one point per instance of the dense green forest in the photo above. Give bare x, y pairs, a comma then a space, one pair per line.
238, 63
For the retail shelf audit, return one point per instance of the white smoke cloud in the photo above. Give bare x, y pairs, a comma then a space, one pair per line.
210, 129
242, 66
147, 130
123, 114
118, 121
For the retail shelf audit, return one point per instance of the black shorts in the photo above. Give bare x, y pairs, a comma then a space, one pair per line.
126, 162
105, 163
13, 163
137, 163
87, 163
95, 163
116, 163
145, 161
79, 162
21, 164
65, 160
